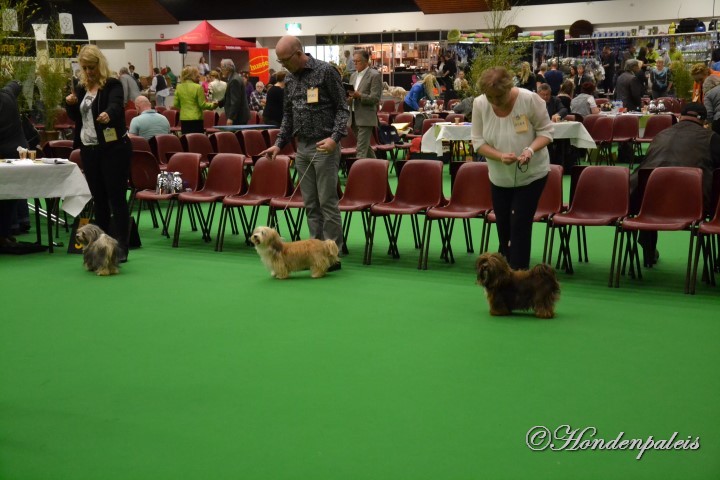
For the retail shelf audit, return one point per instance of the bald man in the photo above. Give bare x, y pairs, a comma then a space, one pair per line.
316, 113
148, 123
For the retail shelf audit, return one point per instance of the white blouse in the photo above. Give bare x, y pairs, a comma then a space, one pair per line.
499, 132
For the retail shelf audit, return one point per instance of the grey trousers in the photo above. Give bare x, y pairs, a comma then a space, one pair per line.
363, 141
319, 178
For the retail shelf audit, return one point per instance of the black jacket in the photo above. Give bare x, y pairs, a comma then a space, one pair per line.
109, 99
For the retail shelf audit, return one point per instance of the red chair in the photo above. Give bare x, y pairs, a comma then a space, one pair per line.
655, 125
253, 120
287, 204
672, 201
419, 188
76, 158
173, 117
220, 119
63, 123
288, 149
209, 120
427, 123
160, 108
188, 164
226, 142
708, 233
389, 106
367, 184
57, 149
452, 116
165, 145
601, 198
626, 128
225, 178
383, 117
550, 203
602, 133
144, 170
589, 121
601, 101
198, 143
252, 142
470, 199
270, 180
140, 144
452, 102
130, 113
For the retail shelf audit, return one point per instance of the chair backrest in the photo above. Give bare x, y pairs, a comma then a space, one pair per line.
196, 143
144, 169
367, 181
602, 129
452, 116
349, 140
188, 164
601, 101
589, 121
160, 108
656, 124
388, 106
603, 191
383, 117
552, 195
140, 144
221, 119
471, 187
172, 116
429, 122
225, 175
76, 158
58, 149
452, 102
271, 177
209, 119
420, 184
668, 103
225, 142
253, 142
574, 117
253, 120
288, 148
405, 118
130, 113
626, 126
673, 194
163, 144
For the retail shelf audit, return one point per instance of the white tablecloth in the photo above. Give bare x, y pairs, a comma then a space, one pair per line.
432, 140
40, 180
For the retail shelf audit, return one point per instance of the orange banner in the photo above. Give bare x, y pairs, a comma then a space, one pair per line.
259, 64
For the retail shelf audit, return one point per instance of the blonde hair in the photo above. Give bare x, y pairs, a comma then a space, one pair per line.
699, 69
495, 78
214, 75
92, 54
429, 84
189, 73
524, 72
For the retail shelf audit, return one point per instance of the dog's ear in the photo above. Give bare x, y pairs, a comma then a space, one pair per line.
274, 241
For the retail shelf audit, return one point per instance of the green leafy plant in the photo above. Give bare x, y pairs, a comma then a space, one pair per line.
681, 79
502, 49
53, 80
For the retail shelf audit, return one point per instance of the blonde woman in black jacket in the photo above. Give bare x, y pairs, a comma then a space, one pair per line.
97, 108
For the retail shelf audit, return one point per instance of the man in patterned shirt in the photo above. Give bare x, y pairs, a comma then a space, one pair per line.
257, 97
316, 113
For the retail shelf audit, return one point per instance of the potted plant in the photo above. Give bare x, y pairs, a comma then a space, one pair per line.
52, 82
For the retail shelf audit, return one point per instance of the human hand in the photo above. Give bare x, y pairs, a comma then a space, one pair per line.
508, 158
271, 152
71, 99
103, 118
326, 146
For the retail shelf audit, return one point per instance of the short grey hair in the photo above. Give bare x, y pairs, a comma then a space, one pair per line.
227, 63
544, 87
631, 64
123, 71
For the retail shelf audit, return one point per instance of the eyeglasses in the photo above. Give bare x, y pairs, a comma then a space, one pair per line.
283, 61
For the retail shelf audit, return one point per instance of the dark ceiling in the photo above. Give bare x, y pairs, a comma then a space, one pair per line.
189, 10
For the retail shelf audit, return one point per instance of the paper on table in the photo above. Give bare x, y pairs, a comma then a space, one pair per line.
17, 161
52, 161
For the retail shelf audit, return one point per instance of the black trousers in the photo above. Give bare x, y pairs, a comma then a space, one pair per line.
191, 126
514, 210
107, 169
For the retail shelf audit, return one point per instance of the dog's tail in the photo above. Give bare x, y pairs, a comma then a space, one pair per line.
331, 248
545, 271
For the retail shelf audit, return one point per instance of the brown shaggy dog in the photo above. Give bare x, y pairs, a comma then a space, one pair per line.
507, 289
99, 250
281, 258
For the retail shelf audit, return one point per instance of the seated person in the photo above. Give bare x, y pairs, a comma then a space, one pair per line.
148, 123
555, 108
584, 104
685, 144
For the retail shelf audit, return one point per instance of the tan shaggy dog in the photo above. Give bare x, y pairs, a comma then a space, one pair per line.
281, 258
100, 250
507, 289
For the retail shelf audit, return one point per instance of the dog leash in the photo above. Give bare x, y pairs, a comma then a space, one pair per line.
301, 179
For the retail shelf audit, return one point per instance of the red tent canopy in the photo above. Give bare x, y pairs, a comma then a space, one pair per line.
203, 38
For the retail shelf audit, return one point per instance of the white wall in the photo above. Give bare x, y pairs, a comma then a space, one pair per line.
603, 15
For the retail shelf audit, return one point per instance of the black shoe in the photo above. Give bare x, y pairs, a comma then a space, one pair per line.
122, 256
335, 267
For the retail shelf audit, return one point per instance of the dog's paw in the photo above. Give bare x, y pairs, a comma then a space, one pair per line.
544, 314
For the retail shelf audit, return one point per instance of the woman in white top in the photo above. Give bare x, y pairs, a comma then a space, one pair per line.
203, 67
511, 129
216, 89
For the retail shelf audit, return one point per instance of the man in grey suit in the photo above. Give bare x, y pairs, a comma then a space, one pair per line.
235, 101
364, 102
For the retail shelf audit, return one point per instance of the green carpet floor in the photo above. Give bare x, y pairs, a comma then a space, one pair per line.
193, 364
